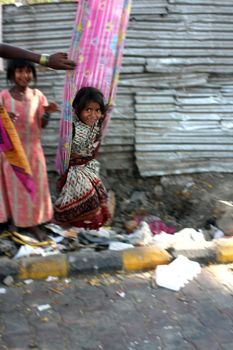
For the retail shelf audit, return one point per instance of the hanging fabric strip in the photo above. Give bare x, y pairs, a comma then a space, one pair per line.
96, 46
11, 146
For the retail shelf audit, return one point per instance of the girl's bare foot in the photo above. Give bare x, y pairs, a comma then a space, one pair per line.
38, 233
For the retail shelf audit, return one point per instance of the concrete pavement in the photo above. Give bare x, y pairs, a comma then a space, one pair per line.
120, 312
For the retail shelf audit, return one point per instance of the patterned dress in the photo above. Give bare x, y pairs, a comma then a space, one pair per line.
15, 202
82, 200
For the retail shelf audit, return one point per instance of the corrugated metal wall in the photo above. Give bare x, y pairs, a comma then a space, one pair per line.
174, 108
184, 119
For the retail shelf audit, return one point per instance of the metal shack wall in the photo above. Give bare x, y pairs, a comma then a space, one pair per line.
174, 105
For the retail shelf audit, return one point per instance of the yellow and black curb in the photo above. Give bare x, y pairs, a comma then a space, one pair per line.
87, 262
224, 251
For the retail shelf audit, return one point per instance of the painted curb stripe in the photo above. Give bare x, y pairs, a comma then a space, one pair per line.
224, 250
136, 259
41, 267
144, 258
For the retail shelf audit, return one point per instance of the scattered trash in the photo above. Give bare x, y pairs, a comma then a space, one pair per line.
87, 238
190, 234
7, 247
26, 250
184, 239
216, 233
57, 239
131, 225
67, 280
29, 281
43, 307
178, 273
142, 236
8, 281
104, 232
51, 278
2, 290
71, 233
142, 229
156, 225
55, 228
121, 294
119, 246
103, 279
25, 239
50, 251
55, 290
94, 281
164, 240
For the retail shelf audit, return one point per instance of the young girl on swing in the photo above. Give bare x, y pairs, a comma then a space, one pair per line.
29, 111
82, 198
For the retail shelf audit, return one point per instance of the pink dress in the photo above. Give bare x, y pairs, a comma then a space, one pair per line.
15, 202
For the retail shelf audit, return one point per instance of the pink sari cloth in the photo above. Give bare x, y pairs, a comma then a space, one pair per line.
96, 46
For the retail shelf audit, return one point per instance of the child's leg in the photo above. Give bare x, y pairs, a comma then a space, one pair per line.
38, 232
4, 200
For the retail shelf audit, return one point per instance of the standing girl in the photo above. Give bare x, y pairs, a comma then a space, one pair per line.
82, 198
29, 110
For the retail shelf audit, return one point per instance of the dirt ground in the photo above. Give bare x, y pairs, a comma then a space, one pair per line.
180, 200
186, 201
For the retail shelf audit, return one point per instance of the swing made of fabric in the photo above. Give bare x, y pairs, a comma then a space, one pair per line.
96, 46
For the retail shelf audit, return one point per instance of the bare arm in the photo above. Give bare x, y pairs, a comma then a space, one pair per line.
57, 60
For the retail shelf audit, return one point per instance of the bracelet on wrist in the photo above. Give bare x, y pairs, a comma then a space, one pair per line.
44, 59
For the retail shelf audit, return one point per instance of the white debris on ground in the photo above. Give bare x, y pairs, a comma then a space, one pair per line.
177, 274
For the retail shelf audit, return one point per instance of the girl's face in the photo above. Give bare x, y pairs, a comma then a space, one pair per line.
91, 114
23, 76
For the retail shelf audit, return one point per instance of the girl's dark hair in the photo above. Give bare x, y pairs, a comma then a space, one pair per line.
86, 95
12, 65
